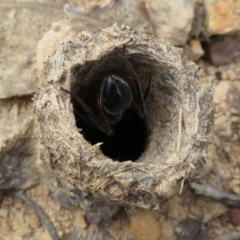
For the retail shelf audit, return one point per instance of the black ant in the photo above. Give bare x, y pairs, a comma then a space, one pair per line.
114, 98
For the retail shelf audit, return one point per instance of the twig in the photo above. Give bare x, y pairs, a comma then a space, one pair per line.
179, 129
182, 185
41, 214
206, 190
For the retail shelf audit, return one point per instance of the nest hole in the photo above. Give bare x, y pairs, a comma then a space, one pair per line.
131, 132
128, 142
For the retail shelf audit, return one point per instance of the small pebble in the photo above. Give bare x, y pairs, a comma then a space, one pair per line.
222, 52
3, 212
12, 13
5, 228
235, 216
196, 50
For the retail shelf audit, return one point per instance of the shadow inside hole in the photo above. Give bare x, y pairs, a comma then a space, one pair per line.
130, 134
128, 142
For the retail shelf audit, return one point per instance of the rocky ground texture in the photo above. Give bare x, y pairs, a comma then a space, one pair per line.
209, 32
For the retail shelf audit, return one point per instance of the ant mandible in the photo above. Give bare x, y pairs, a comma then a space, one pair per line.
114, 98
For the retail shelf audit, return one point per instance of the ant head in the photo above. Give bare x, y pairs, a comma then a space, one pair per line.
116, 94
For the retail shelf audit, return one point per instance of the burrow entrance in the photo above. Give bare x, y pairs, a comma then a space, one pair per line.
131, 132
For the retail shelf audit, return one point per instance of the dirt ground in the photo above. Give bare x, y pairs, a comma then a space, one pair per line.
23, 25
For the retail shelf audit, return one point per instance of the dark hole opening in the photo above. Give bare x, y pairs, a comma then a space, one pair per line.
128, 142
131, 132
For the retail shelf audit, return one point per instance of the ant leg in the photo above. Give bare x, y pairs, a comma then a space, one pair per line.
136, 81
110, 131
79, 100
135, 107
146, 94
93, 117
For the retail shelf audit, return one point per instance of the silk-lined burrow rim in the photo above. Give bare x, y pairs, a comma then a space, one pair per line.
175, 133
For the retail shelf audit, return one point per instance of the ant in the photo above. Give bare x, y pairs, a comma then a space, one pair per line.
114, 98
